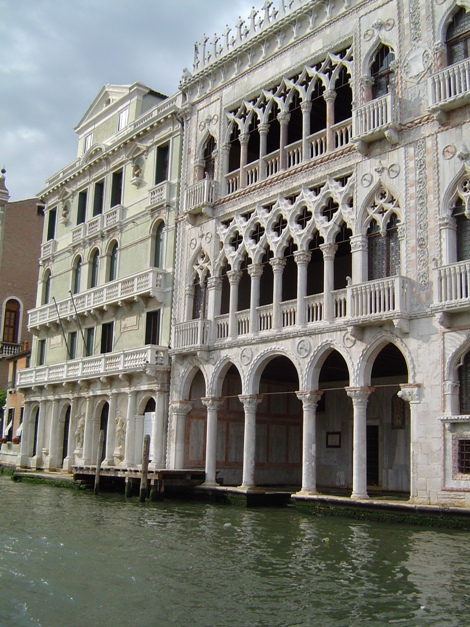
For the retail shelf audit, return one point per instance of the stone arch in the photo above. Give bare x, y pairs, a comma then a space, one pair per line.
186, 377
217, 378
452, 191
380, 39
443, 23
364, 217
144, 399
368, 355
318, 358
252, 381
455, 359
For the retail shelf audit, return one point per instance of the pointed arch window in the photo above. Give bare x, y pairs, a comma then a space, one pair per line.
95, 260
458, 37
77, 275
381, 71
158, 246
11, 321
208, 156
383, 250
464, 387
200, 298
113, 263
46, 294
463, 230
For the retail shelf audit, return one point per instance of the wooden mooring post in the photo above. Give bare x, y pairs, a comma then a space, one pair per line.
145, 468
99, 455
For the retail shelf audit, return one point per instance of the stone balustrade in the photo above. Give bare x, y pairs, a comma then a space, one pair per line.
452, 285
450, 88
111, 364
147, 283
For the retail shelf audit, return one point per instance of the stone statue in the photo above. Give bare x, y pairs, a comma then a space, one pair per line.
79, 432
120, 435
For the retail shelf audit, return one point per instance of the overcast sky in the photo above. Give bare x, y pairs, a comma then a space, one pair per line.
57, 54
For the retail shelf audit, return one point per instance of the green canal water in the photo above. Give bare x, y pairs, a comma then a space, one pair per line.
68, 558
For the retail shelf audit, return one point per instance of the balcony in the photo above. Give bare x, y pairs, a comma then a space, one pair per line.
109, 364
200, 198
147, 284
375, 120
355, 306
7, 349
452, 289
48, 248
449, 89
97, 225
159, 196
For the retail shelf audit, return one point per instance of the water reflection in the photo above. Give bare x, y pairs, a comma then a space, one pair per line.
71, 558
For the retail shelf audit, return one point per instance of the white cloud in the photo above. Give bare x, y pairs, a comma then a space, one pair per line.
56, 56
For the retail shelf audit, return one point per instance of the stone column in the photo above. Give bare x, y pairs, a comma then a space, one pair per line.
70, 459
244, 139
88, 433
179, 411
306, 106
188, 302
39, 462
214, 289
250, 403
284, 137
278, 265
409, 392
213, 405
309, 441
129, 453
27, 436
111, 430
360, 396
263, 147
225, 166
51, 462
158, 429
255, 270
448, 229
330, 97
359, 258
329, 251
302, 259
234, 277
199, 170
366, 82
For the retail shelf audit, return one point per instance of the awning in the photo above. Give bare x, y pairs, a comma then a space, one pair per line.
7, 430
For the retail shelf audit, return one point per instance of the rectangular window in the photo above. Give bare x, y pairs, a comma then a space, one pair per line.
98, 198
51, 224
72, 345
81, 212
88, 142
14, 368
21, 414
107, 331
161, 173
152, 328
41, 352
123, 119
90, 341
116, 189
464, 456
11, 418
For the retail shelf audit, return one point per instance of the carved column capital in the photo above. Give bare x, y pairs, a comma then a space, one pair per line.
329, 250
309, 398
250, 401
409, 392
234, 276
302, 257
359, 395
180, 408
212, 403
278, 264
255, 269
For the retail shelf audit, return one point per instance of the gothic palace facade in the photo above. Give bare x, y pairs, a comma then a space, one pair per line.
269, 272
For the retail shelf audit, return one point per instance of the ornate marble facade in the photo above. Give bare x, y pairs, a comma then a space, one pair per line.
320, 329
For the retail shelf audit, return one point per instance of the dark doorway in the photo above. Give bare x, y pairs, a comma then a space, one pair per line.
373, 455
66, 434
104, 427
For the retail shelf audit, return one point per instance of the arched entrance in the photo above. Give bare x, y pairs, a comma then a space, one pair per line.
278, 451
334, 425
65, 436
104, 427
388, 424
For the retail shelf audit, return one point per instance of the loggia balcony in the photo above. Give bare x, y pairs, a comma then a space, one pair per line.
355, 306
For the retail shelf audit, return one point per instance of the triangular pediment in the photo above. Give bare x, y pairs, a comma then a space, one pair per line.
106, 98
